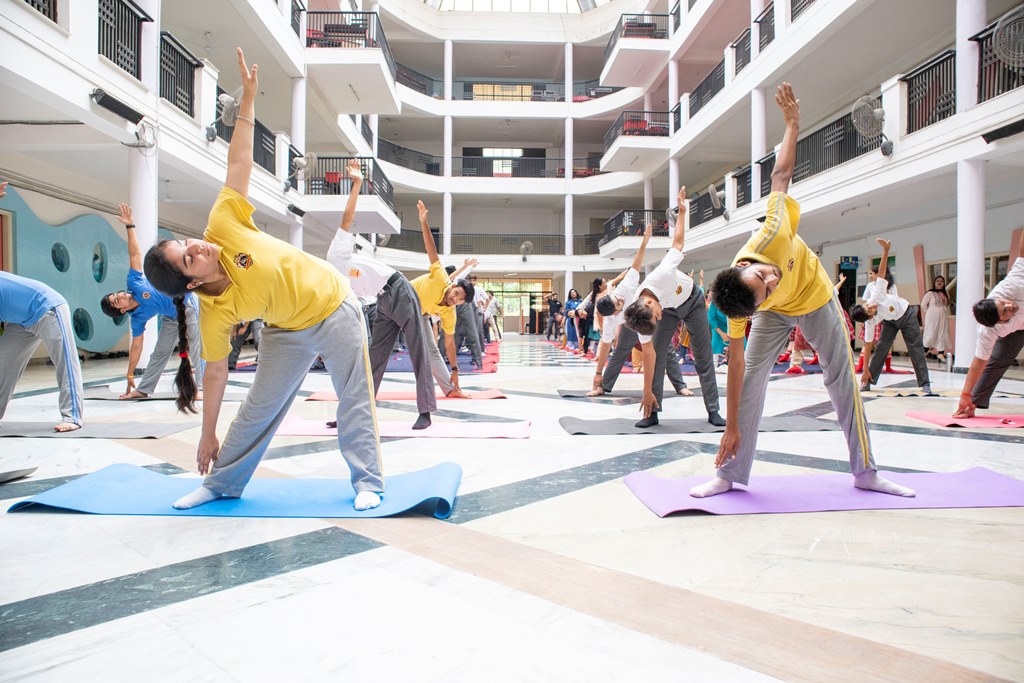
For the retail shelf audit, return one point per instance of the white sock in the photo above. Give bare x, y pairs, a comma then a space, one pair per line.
712, 488
366, 500
871, 481
200, 496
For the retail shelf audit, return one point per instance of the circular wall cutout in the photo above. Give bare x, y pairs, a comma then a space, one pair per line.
82, 322
99, 262
60, 257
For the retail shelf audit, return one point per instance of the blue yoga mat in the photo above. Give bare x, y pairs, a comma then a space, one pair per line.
400, 362
131, 490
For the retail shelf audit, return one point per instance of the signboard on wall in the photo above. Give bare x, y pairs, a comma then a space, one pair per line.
849, 262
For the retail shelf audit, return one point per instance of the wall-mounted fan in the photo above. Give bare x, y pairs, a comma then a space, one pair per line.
526, 248
1008, 38
869, 120
718, 200
302, 167
229, 105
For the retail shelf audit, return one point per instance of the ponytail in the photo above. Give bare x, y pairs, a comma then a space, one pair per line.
183, 381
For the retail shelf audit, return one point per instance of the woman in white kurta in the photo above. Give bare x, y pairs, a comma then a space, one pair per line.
935, 310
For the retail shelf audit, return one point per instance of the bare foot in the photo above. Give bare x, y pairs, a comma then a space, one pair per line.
596, 391
66, 427
684, 392
456, 393
133, 394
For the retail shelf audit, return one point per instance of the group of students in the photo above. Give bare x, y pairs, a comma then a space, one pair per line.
202, 289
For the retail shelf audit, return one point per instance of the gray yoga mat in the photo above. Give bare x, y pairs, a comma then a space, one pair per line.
578, 426
107, 392
96, 430
636, 394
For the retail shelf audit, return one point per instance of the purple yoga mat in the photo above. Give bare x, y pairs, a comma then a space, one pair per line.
973, 488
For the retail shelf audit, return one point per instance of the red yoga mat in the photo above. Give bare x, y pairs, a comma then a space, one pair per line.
484, 394
977, 422
297, 426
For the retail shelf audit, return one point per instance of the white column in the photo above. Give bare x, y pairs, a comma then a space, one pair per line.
970, 18
298, 127
374, 123
894, 104
149, 47
756, 7
570, 152
206, 97
569, 68
447, 146
729, 56
446, 225
647, 101
684, 109
142, 195
282, 168
783, 12
295, 232
730, 191
648, 194
448, 69
970, 255
673, 187
285, 6
568, 224
758, 137
568, 284
673, 91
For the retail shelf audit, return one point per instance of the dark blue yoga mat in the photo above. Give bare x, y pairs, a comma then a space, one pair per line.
400, 362
131, 490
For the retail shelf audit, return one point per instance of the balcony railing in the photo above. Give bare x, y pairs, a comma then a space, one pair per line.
297, 9
177, 73
264, 148
827, 147
743, 194
632, 223
586, 244
509, 91
508, 167
48, 8
422, 84
591, 90
677, 117
583, 167
766, 26
348, 30
712, 84
677, 16
638, 26
409, 158
504, 243
120, 33
638, 123
330, 178
767, 165
412, 240
293, 176
741, 50
702, 209
797, 8
367, 131
931, 91
994, 76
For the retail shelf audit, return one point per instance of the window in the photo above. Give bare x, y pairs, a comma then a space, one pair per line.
502, 167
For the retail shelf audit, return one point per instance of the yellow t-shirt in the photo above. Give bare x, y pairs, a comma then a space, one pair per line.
804, 286
431, 289
270, 279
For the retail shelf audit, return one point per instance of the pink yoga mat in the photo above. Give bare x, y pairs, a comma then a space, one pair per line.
973, 488
977, 422
296, 426
484, 394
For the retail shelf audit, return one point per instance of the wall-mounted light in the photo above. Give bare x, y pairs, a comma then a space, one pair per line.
110, 103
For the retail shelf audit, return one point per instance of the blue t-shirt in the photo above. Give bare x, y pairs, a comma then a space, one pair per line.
24, 301
151, 302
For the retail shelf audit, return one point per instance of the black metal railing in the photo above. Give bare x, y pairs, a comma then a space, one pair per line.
48, 8
120, 33
638, 123
177, 73
765, 26
741, 51
582, 167
297, 9
508, 167
509, 91
412, 240
767, 165
348, 29
409, 158
743, 186
293, 174
638, 26
931, 91
994, 76
591, 90
331, 178
431, 87
712, 84
632, 223
367, 131
264, 148
827, 147
503, 243
677, 117
797, 8
677, 16
587, 244
702, 208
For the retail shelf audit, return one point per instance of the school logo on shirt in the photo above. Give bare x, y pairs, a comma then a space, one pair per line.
353, 272
892, 309
679, 290
789, 266
243, 261
145, 295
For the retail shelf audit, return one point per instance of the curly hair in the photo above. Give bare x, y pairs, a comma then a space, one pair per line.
986, 312
731, 295
639, 318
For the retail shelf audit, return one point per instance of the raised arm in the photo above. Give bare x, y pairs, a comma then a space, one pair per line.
240, 149
467, 265
785, 160
682, 219
883, 265
428, 237
124, 214
355, 172
840, 281
638, 260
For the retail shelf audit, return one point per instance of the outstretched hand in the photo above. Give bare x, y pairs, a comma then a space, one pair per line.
648, 403
423, 210
681, 201
728, 446
471, 263
788, 103
648, 231
884, 243
355, 169
250, 84
124, 214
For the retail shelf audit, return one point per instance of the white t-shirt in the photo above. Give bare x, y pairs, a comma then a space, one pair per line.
1012, 288
668, 283
368, 276
625, 292
890, 306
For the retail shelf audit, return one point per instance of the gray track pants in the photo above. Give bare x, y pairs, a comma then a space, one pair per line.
285, 357
613, 368
398, 310
911, 329
437, 367
466, 329
694, 314
17, 344
1003, 354
825, 330
167, 338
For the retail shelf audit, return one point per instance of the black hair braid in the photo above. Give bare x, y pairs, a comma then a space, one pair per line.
183, 381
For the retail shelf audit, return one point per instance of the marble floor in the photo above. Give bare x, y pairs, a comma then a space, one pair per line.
548, 570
